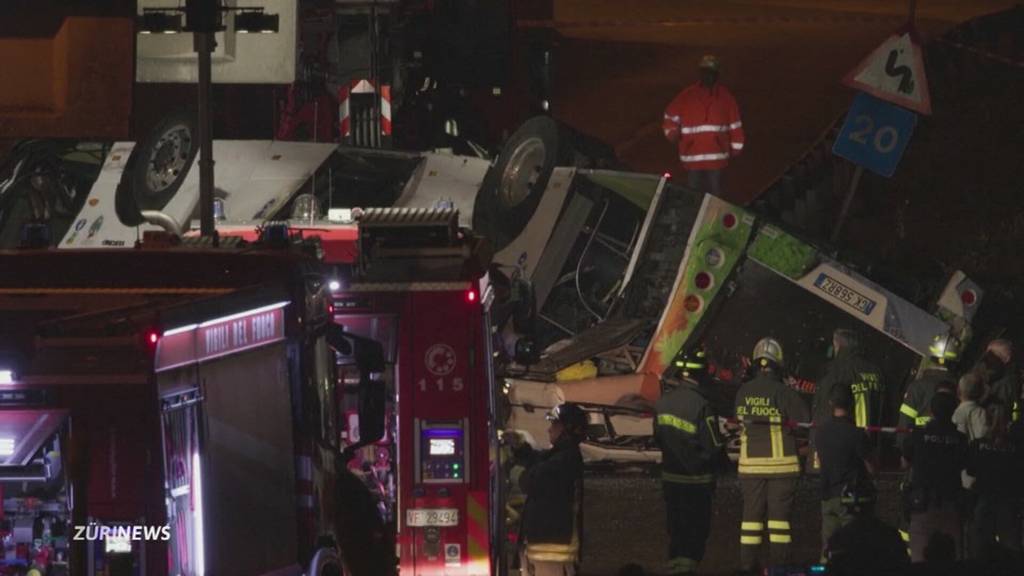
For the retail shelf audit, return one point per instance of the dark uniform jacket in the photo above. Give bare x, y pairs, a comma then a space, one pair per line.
916, 408
851, 369
997, 467
842, 448
763, 406
686, 429
937, 454
1004, 395
552, 483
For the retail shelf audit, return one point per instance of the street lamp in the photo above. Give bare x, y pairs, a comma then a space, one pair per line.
203, 18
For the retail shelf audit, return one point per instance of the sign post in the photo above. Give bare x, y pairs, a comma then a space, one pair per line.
892, 84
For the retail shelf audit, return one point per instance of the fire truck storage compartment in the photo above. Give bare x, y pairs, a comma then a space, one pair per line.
35, 510
234, 414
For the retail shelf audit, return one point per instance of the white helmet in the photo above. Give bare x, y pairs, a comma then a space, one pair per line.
768, 349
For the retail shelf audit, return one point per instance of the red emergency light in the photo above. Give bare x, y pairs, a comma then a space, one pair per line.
667, 175
471, 296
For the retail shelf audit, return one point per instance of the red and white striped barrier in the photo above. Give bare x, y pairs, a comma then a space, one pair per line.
345, 106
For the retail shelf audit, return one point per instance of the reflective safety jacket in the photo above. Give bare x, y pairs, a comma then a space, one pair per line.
686, 429
763, 406
706, 124
916, 409
851, 369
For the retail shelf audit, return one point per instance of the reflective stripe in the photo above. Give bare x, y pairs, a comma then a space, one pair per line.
908, 411
681, 565
750, 540
778, 525
551, 552
770, 468
752, 526
704, 128
677, 422
687, 479
780, 538
703, 157
672, 118
922, 421
735, 125
737, 145
905, 535
860, 410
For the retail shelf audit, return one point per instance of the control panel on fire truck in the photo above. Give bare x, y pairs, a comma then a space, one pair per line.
441, 451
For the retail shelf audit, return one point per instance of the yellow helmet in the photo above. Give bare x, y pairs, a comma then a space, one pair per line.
945, 348
709, 61
768, 349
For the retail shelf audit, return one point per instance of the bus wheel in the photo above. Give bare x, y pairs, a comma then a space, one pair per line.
512, 188
161, 161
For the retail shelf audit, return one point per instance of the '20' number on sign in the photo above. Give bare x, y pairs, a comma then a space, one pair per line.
442, 384
884, 140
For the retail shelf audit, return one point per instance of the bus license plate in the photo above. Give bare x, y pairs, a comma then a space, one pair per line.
845, 294
432, 517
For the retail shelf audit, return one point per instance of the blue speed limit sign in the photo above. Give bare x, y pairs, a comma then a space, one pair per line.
875, 134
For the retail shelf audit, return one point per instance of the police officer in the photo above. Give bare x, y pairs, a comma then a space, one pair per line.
553, 484
843, 450
768, 467
936, 454
944, 353
849, 369
998, 370
997, 464
686, 429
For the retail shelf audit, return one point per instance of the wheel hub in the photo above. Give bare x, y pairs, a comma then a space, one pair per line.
169, 158
522, 172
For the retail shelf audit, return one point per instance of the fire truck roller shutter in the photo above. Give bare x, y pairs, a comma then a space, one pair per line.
157, 166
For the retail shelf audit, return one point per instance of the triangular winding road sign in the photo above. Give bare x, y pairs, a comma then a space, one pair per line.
895, 72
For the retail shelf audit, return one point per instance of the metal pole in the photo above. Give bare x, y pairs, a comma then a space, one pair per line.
204, 45
846, 203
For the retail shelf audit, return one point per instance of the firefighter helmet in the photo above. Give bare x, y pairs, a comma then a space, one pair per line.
768, 350
945, 348
692, 362
709, 62
571, 416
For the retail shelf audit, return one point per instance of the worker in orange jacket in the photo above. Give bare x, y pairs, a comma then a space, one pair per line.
705, 122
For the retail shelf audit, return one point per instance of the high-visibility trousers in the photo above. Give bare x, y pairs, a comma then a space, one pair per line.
767, 504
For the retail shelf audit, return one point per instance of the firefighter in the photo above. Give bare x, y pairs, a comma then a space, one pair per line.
997, 369
944, 353
843, 449
768, 467
553, 484
935, 454
686, 429
849, 369
704, 121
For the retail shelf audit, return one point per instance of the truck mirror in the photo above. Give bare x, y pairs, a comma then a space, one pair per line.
369, 359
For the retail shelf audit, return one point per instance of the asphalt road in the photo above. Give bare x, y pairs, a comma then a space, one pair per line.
624, 521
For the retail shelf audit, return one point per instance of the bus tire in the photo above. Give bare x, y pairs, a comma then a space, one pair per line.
160, 162
514, 185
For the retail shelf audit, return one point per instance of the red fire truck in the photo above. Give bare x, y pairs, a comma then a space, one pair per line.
205, 395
